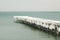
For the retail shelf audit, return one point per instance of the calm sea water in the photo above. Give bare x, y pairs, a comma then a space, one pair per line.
17, 31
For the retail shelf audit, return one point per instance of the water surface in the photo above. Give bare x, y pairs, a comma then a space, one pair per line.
17, 31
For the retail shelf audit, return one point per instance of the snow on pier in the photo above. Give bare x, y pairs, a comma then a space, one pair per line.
44, 24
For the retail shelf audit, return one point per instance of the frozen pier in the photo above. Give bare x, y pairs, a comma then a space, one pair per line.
40, 23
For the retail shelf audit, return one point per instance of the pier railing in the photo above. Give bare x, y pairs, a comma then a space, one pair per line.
44, 24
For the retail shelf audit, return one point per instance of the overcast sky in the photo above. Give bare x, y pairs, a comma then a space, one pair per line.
29, 5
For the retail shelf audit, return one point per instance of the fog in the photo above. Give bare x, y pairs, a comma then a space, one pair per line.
29, 5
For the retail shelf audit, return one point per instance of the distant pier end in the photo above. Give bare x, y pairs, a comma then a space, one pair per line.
40, 23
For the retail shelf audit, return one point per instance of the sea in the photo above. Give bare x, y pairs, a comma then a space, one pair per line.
9, 30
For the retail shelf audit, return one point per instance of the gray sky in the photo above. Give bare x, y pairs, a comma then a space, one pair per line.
29, 5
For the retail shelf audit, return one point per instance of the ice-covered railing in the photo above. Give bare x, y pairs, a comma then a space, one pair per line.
48, 24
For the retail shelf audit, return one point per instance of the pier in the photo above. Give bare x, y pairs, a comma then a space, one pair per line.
40, 23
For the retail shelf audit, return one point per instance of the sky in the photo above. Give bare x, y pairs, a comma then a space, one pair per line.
29, 5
